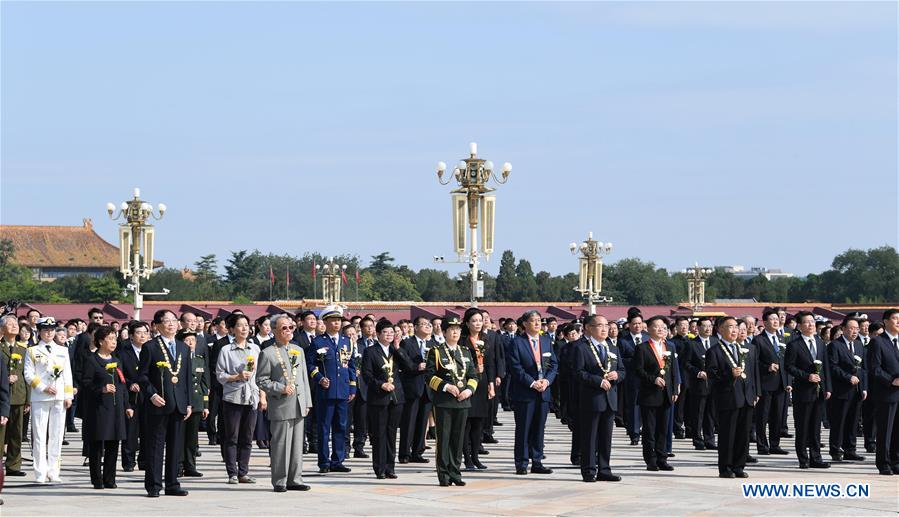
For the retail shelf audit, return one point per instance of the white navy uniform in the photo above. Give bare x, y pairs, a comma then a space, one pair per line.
48, 413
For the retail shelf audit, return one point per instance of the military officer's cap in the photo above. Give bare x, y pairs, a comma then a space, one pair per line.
184, 333
331, 311
46, 323
451, 321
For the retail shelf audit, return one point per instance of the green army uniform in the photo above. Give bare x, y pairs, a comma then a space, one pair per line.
19, 399
199, 400
453, 367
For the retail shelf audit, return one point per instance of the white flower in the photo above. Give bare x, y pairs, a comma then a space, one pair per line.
479, 343
744, 350
857, 358
547, 354
322, 350
666, 353
782, 345
817, 362
612, 355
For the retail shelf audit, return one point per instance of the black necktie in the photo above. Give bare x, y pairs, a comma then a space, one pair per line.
812, 348
896, 342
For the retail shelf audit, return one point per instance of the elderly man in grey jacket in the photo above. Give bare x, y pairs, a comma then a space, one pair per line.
282, 375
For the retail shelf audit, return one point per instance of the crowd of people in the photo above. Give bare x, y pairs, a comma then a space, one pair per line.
324, 384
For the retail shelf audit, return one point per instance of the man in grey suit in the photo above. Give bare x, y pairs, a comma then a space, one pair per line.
282, 375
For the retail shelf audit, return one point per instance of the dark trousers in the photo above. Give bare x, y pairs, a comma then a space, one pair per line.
631, 409
530, 422
655, 434
215, 407
383, 422
701, 422
311, 428
164, 436
504, 389
733, 438
493, 406
595, 433
788, 401
191, 441
768, 413
331, 420
102, 461
887, 452
680, 409
414, 427
238, 424
360, 423
474, 435
574, 425
132, 452
449, 428
807, 421
844, 415
869, 423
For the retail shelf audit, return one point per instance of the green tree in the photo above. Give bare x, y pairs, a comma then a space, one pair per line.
7, 250
243, 272
506, 281
527, 283
207, 268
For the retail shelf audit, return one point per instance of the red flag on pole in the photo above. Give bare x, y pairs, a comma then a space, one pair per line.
313, 270
357, 276
271, 275
343, 276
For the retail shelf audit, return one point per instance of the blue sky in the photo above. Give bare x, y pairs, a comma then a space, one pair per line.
761, 134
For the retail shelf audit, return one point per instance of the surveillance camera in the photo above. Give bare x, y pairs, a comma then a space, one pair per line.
471, 265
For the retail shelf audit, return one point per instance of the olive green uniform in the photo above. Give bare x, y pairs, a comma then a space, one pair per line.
454, 367
199, 400
19, 399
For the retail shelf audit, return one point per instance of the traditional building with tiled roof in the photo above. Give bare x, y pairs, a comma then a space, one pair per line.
53, 252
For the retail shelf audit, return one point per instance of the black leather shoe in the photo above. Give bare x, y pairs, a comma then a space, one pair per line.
483, 451
301, 488
726, 475
763, 452
635, 441
670, 455
360, 454
280, 489
469, 466
778, 450
885, 471
803, 466
665, 466
870, 449
98, 486
178, 492
497, 423
457, 482
588, 479
700, 447
711, 446
540, 469
379, 476
851, 456
786, 434
152, 494
390, 475
741, 474
895, 469
17, 473
124, 469
751, 459
418, 459
652, 468
837, 457
444, 483
324, 470
608, 477
192, 474
340, 468
489, 439
65, 442
819, 465
479, 465
110, 485
71, 429
403, 461
521, 472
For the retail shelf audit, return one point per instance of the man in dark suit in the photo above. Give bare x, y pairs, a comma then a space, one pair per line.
733, 375
806, 361
683, 345
699, 409
654, 364
775, 383
359, 405
883, 370
381, 364
166, 382
533, 368
307, 323
129, 357
414, 420
627, 344
597, 372
216, 341
850, 387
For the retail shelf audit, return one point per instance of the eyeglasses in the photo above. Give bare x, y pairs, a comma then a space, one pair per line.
169, 320
290, 327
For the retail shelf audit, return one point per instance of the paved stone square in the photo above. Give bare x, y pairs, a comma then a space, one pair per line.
692, 489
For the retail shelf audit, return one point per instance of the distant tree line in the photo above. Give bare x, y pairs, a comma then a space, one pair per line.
855, 276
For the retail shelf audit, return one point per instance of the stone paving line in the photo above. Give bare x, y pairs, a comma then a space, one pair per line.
692, 489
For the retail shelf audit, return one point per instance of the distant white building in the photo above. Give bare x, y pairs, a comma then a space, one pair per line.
742, 272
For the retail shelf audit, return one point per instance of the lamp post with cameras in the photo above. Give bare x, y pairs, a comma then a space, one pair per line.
696, 277
590, 270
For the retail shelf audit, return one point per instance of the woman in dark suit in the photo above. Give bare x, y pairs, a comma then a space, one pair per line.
105, 407
484, 357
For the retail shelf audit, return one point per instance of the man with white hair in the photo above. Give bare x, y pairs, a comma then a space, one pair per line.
49, 373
